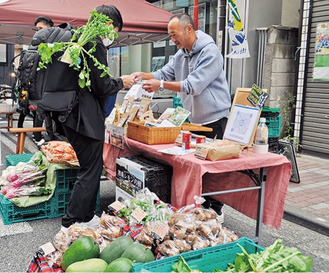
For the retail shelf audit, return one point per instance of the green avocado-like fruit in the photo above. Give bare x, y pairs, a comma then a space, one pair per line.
138, 253
116, 248
120, 265
83, 248
90, 265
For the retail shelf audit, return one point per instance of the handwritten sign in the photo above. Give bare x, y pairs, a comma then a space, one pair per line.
257, 96
138, 214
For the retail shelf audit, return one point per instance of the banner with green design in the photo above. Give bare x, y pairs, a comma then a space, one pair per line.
321, 62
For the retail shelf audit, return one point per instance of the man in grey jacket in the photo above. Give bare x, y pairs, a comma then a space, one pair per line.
196, 72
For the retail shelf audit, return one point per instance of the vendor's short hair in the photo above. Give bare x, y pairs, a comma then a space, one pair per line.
113, 13
183, 18
46, 20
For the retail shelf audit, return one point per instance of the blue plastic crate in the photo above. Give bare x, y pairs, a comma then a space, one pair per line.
206, 259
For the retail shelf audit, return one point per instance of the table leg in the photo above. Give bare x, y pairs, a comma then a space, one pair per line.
261, 197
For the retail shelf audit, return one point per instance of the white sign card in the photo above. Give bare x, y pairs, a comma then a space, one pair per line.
241, 124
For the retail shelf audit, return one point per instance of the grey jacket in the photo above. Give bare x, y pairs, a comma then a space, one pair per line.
204, 90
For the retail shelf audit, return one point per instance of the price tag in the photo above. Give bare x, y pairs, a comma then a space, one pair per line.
160, 229
201, 152
138, 214
47, 248
117, 205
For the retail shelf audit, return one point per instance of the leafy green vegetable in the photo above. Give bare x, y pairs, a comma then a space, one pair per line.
182, 266
275, 258
98, 25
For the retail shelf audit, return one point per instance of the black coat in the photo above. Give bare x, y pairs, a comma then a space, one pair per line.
88, 116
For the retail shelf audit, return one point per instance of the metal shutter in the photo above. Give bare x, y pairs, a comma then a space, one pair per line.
315, 125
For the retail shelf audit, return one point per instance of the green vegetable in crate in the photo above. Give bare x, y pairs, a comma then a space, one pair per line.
138, 253
275, 258
115, 249
89, 265
83, 248
182, 266
120, 265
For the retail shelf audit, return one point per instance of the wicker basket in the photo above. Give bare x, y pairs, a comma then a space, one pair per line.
152, 135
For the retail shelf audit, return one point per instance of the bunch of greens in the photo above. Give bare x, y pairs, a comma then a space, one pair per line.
98, 25
275, 258
182, 266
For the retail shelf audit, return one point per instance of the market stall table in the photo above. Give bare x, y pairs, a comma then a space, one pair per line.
193, 176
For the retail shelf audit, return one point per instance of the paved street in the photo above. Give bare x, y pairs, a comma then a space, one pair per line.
305, 203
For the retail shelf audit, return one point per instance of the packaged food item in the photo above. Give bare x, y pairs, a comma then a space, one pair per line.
143, 107
218, 150
186, 140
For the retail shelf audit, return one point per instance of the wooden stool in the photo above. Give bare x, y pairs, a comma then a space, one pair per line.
21, 136
10, 120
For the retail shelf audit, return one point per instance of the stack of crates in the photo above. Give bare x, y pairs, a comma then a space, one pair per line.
54, 207
273, 122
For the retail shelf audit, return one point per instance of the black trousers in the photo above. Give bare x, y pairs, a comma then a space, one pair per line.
218, 129
82, 203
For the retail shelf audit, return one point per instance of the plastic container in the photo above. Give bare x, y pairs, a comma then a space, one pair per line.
13, 160
261, 133
176, 101
206, 259
54, 207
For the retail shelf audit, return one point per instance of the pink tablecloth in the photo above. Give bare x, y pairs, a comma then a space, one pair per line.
192, 176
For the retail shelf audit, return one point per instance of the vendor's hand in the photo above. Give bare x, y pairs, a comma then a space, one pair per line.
151, 85
137, 76
128, 81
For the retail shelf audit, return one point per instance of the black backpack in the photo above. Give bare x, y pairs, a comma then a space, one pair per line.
30, 81
56, 85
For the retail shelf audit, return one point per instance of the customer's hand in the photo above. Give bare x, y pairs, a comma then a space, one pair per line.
137, 76
128, 81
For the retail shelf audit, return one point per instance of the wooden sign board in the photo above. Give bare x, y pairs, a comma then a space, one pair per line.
241, 99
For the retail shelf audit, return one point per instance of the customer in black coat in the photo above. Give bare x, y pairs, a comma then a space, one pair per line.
85, 128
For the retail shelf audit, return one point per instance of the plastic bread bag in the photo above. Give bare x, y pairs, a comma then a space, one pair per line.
168, 248
153, 233
108, 221
62, 241
77, 230
54, 259
198, 200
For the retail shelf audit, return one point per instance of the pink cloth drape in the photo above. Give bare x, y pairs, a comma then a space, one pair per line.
192, 176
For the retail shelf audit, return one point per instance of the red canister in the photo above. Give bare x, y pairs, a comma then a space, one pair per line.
200, 139
186, 140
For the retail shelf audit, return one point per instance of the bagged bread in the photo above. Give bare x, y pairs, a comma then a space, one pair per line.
218, 150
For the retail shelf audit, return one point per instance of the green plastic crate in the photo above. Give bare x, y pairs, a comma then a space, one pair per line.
270, 111
13, 160
176, 101
206, 259
274, 126
54, 207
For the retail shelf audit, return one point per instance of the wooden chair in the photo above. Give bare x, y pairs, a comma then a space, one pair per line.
21, 136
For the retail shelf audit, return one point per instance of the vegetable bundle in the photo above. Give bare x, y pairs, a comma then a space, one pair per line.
98, 25
24, 179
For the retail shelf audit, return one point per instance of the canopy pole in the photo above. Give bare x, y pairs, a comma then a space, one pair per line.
196, 14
